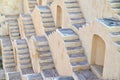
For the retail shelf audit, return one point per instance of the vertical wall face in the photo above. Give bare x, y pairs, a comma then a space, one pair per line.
95, 9
10, 6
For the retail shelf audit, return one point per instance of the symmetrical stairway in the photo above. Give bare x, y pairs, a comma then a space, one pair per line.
75, 14
9, 64
24, 61
32, 4
27, 26
46, 63
47, 19
13, 26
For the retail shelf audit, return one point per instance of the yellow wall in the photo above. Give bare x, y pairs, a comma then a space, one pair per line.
10, 6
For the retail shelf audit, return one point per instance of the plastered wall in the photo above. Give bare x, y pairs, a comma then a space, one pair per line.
95, 9
11, 6
111, 59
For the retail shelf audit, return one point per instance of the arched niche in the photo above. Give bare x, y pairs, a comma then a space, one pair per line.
98, 53
59, 17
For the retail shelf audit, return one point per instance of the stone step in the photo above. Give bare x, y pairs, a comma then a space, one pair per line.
73, 9
44, 8
80, 66
117, 10
50, 29
77, 57
15, 34
27, 71
43, 48
46, 59
13, 23
73, 50
10, 65
70, 1
46, 15
14, 28
115, 4
24, 56
30, 30
28, 21
23, 51
85, 74
22, 46
13, 76
72, 4
25, 65
72, 43
7, 48
32, 1
75, 15
80, 21
48, 73
8, 52
10, 55
28, 26
47, 66
15, 37
41, 43
2, 75
34, 76
48, 24
46, 19
44, 53
11, 69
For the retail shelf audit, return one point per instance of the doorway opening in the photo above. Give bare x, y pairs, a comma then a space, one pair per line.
59, 17
98, 55
40, 2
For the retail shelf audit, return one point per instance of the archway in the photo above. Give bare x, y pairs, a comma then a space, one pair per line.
98, 54
40, 2
59, 17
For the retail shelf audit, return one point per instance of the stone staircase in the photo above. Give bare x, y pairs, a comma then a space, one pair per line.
115, 4
28, 26
47, 19
78, 60
75, 14
49, 2
114, 28
24, 61
74, 49
47, 65
9, 64
32, 4
13, 26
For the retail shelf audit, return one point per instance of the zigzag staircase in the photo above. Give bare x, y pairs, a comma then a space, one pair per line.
75, 14
114, 28
9, 64
68, 41
24, 61
26, 26
46, 62
32, 4
47, 19
115, 4
49, 2
13, 26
